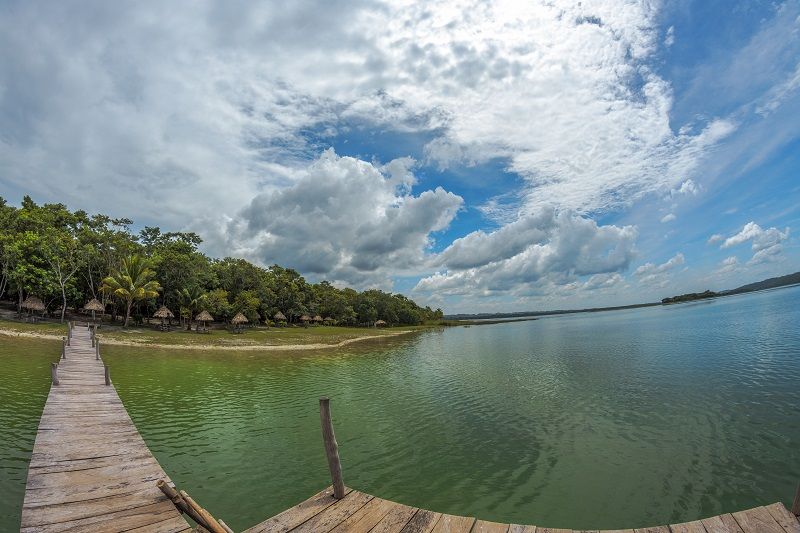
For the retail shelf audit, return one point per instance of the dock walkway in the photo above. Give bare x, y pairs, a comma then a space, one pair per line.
358, 512
90, 469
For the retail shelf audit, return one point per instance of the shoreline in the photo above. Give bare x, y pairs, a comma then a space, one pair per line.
224, 347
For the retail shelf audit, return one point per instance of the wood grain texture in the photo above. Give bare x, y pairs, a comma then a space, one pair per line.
788, 521
688, 527
757, 520
90, 470
362, 513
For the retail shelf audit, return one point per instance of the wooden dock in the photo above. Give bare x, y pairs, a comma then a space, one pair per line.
361, 513
90, 469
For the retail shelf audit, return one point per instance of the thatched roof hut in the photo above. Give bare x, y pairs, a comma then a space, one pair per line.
280, 317
94, 305
380, 323
205, 316
239, 319
327, 319
317, 318
305, 318
163, 313
32, 303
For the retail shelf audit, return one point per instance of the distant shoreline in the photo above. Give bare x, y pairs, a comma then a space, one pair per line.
780, 282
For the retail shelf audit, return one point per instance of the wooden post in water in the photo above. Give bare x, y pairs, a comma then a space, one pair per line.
54, 373
331, 447
108, 375
796, 503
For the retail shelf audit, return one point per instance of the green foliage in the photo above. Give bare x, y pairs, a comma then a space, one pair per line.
190, 300
216, 302
67, 258
132, 282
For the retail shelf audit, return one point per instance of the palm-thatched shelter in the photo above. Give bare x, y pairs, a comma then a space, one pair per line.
94, 305
380, 323
237, 322
317, 318
280, 318
32, 303
163, 313
204, 317
328, 320
305, 319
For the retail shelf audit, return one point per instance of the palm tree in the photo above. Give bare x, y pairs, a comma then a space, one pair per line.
190, 299
133, 281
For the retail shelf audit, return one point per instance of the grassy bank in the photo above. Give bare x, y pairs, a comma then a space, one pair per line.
314, 337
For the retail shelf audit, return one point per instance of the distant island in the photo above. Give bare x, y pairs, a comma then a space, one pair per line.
771, 283
690, 296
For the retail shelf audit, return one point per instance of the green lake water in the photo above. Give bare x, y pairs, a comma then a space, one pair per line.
604, 420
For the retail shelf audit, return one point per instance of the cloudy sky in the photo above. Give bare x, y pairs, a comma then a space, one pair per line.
475, 155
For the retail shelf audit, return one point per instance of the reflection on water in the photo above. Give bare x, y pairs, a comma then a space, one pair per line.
603, 420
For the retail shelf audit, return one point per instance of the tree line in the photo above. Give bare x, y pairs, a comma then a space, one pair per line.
67, 258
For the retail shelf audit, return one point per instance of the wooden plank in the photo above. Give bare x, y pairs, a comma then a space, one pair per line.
757, 520
365, 518
395, 520
423, 521
695, 526
721, 524
453, 524
784, 518
293, 517
337, 513
552, 530
519, 528
654, 529
484, 526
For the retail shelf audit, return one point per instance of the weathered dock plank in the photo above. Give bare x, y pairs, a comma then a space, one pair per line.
360, 513
90, 469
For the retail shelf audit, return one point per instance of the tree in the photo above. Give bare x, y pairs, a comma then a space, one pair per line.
132, 282
61, 253
247, 303
216, 302
190, 300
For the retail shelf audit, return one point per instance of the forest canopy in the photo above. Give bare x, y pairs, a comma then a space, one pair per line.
66, 257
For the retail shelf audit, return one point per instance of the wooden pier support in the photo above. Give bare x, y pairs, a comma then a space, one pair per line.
796, 503
63, 347
185, 504
108, 374
331, 448
54, 373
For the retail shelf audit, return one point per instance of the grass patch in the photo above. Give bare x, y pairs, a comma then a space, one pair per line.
258, 336
219, 336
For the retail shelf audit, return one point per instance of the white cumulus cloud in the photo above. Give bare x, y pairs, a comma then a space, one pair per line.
346, 220
651, 273
555, 248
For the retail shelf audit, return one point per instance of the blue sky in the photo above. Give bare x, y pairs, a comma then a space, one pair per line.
478, 156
